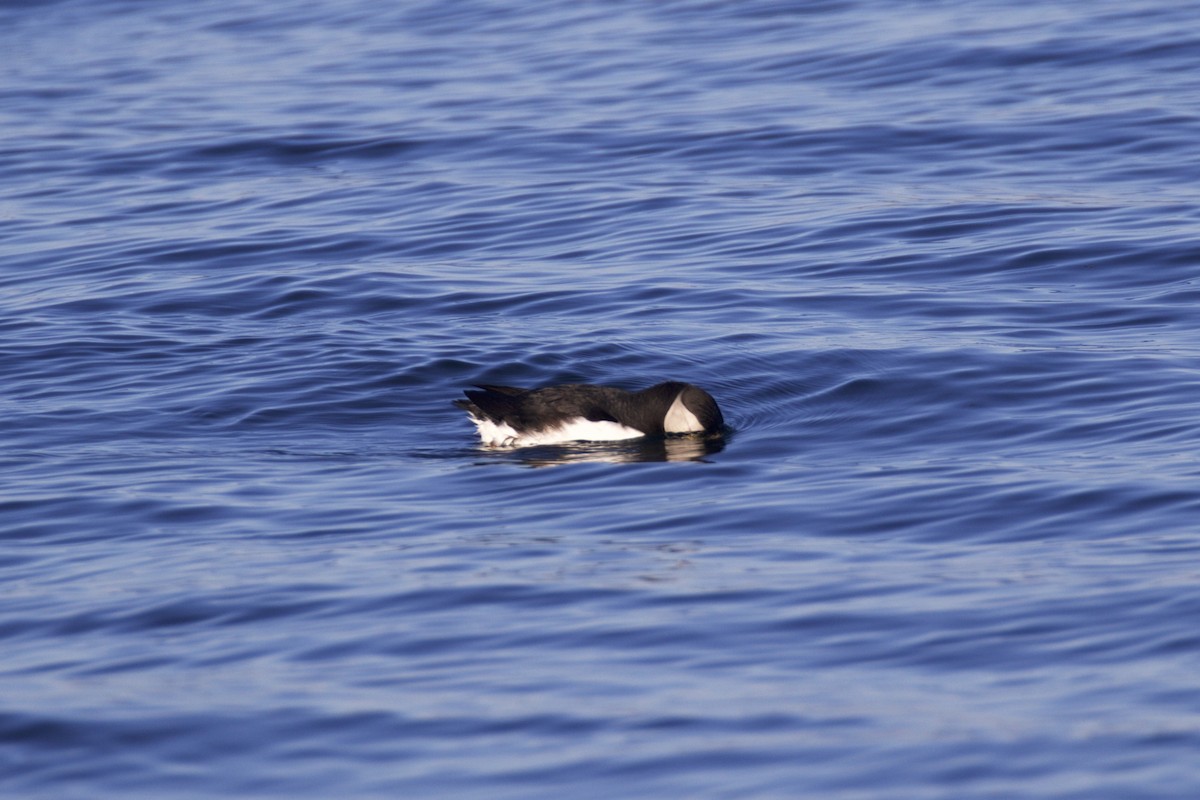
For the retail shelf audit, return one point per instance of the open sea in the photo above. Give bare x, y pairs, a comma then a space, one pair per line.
938, 260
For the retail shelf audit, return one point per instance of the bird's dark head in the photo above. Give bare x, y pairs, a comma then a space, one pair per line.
693, 411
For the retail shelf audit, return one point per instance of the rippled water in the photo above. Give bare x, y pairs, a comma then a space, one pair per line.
938, 261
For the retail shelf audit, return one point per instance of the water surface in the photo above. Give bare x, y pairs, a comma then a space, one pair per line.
937, 261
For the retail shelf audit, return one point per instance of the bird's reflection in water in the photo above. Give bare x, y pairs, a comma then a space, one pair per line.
670, 448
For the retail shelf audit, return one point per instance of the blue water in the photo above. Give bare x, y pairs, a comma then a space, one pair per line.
938, 261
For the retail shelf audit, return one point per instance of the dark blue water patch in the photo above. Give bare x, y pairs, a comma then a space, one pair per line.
308, 149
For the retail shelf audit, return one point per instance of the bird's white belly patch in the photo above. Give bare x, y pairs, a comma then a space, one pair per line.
576, 430
494, 435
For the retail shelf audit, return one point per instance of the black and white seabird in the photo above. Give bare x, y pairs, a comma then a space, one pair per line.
511, 417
